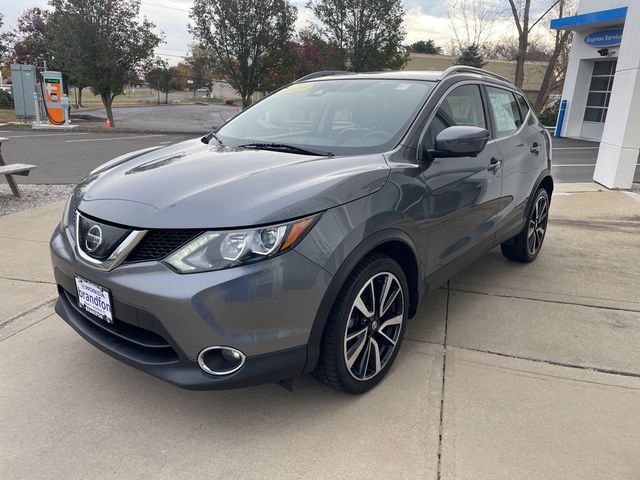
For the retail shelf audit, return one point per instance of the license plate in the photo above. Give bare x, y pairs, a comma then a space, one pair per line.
94, 299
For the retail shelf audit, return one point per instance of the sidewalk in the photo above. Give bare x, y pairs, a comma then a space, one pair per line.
536, 369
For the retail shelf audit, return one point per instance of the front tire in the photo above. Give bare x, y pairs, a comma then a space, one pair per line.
525, 246
366, 326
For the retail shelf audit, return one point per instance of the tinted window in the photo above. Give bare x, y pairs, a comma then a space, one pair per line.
505, 111
463, 106
524, 107
348, 116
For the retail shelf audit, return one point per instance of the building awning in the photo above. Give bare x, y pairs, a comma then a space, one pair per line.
591, 20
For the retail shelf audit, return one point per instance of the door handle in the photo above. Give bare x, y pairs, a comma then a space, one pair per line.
535, 148
494, 165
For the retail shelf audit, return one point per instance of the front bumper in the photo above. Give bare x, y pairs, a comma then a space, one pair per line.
163, 319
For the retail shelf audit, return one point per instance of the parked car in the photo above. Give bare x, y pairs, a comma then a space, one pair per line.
303, 234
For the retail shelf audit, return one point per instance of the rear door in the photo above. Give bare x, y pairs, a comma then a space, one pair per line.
462, 194
520, 139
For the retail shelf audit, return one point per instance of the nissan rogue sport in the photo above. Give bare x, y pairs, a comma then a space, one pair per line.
303, 233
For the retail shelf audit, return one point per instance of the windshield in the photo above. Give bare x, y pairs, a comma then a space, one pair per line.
341, 116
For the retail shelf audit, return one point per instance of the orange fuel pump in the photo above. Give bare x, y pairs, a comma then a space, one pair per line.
52, 95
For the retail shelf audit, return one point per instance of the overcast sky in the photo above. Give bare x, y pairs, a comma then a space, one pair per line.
425, 19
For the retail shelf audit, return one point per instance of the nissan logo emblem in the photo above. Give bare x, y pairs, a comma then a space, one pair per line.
93, 239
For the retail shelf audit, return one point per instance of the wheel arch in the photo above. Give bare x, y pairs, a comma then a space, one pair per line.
394, 243
545, 180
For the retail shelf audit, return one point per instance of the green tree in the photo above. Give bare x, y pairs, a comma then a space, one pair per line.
368, 35
106, 41
199, 61
423, 46
471, 57
246, 38
165, 79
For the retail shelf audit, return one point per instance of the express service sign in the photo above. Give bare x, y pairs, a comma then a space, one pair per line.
604, 38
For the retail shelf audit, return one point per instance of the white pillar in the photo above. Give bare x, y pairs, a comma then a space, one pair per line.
620, 146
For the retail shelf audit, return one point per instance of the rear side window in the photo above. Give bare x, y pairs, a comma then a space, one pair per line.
524, 107
505, 111
462, 106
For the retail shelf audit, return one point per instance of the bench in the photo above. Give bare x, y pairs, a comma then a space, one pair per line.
13, 169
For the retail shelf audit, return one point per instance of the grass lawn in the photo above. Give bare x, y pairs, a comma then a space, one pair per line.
89, 99
217, 101
7, 115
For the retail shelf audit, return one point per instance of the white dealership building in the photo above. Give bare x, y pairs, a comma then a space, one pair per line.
601, 96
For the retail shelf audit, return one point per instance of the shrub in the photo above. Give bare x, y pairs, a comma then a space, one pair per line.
228, 102
6, 100
549, 115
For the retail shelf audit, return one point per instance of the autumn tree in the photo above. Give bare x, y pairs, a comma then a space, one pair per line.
367, 35
245, 38
4, 44
108, 40
28, 40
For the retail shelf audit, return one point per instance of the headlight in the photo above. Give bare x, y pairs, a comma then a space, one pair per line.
217, 250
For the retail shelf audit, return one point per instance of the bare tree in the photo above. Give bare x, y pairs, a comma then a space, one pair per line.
557, 66
472, 22
521, 12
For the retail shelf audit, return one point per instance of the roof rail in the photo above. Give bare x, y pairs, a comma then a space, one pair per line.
323, 73
466, 69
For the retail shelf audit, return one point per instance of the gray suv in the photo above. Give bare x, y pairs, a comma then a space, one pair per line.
302, 234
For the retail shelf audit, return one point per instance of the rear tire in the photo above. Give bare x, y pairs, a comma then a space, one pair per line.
526, 246
365, 327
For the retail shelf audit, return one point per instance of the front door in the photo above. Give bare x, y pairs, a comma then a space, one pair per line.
462, 194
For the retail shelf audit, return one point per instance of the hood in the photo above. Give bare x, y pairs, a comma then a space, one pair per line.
193, 185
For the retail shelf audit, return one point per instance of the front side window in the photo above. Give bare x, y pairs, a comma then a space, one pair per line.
505, 111
463, 106
349, 116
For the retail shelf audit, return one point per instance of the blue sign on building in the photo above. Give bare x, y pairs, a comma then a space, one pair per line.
604, 38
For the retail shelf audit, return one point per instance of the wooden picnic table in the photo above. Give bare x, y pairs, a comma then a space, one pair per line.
13, 169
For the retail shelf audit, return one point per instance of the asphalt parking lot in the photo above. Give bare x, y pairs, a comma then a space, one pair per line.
65, 157
192, 119
509, 372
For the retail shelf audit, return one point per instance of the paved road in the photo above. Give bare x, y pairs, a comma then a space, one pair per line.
514, 371
168, 118
67, 157
575, 160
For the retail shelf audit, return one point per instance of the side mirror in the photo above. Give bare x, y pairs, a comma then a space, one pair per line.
459, 141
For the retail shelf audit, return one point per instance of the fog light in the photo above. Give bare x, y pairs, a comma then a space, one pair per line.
221, 360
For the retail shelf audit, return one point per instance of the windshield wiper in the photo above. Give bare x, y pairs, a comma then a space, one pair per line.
283, 147
207, 138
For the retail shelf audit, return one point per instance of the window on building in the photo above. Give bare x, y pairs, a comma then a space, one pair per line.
600, 91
